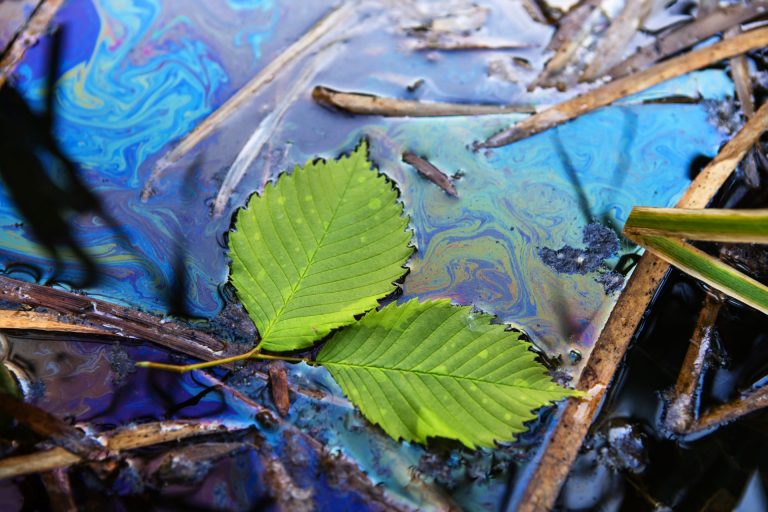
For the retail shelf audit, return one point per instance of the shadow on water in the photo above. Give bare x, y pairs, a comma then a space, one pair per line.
46, 202
48, 192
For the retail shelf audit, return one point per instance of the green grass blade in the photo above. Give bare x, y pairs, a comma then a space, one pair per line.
708, 269
430, 369
320, 246
699, 224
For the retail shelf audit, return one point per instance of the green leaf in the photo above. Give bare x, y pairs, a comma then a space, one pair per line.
434, 370
317, 248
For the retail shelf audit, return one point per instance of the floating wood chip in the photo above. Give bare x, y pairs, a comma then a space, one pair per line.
430, 172
278, 387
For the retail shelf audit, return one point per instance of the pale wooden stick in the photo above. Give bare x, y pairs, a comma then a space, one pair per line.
338, 16
574, 422
43, 322
623, 87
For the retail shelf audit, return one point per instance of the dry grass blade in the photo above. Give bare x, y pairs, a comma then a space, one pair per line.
371, 105
36, 27
688, 35
116, 441
708, 269
468, 43
336, 18
712, 225
575, 420
607, 94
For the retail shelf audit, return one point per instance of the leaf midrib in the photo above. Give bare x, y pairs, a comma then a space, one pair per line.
310, 261
431, 374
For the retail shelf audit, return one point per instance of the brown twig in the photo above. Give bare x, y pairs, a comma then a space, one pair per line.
613, 43
35, 28
337, 17
681, 411
430, 172
610, 347
116, 441
688, 35
117, 320
607, 94
370, 105
732, 411
50, 427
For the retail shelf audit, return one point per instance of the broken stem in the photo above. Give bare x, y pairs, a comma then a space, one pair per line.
253, 354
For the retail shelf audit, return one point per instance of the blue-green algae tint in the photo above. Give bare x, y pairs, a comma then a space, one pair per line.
139, 75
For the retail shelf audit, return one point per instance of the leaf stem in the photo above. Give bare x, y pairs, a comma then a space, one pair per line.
253, 354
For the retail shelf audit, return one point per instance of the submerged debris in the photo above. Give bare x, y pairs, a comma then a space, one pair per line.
121, 363
601, 243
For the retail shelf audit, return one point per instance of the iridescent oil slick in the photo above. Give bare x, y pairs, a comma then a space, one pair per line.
138, 76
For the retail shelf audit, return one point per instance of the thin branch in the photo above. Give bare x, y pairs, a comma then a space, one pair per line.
50, 427
339, 16
623, 87
117, 320
370, 105
36, 27
681, 410
116, 441
732, 411
688, 35
574, 422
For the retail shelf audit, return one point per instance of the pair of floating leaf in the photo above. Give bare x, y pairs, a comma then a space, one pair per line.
321, 247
